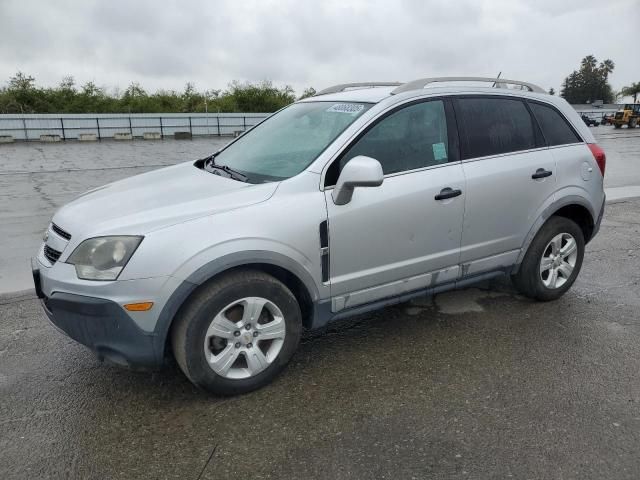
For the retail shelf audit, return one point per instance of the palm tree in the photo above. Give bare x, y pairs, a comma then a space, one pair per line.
631, 91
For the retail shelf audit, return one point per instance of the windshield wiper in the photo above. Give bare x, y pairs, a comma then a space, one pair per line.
223, 170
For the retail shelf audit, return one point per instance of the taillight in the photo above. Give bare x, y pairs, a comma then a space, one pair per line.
598, 154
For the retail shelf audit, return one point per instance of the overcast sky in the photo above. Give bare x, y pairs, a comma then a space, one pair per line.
164, 44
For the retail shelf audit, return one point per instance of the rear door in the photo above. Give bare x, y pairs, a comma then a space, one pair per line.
510, 175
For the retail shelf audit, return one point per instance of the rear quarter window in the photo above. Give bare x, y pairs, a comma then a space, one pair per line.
555, 128
493, 126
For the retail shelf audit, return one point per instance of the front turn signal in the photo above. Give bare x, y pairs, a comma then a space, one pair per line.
139, 307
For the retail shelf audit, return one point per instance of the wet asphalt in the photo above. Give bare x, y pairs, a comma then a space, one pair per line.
477, 384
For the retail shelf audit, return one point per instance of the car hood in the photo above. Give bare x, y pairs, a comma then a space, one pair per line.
157, 199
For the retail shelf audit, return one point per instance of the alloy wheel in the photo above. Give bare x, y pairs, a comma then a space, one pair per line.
558, 260
244, 338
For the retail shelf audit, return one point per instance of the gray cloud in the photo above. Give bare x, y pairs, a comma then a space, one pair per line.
303, 43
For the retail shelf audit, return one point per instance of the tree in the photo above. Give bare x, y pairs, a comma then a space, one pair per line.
134, 99
22, 95
68, 83
552, 91
631, 91
262, 97
589, 82
308, 92
192, 101
20, 81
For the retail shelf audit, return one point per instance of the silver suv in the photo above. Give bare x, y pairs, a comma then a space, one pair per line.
362, 196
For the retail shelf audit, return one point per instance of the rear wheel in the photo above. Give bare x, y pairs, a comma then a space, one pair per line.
552, 261
633, 123
237, 333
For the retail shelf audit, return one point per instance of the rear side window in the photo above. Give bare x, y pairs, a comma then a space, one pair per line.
554, 127
492, 126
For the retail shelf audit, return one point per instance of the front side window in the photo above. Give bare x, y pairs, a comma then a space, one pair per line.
286, 143
412, 137
492, 126
554, 127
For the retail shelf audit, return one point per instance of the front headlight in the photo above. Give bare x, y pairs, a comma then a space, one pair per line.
103, 258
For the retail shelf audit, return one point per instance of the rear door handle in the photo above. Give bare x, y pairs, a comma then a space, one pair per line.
448, 192
541, 173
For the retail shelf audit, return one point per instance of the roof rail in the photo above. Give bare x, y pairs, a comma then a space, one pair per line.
343, 86
497, 83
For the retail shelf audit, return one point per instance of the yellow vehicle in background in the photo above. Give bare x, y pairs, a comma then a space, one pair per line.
628, 115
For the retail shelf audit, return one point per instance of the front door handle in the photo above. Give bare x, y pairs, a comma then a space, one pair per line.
448, 192
541, 173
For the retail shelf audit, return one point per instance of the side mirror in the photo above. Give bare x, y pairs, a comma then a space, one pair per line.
360, 171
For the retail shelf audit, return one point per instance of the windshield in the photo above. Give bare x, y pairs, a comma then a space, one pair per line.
286, 143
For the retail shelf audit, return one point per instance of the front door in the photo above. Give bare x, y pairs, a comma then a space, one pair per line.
405, 234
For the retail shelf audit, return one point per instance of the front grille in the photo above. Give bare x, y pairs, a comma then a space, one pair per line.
60, 232
51, 254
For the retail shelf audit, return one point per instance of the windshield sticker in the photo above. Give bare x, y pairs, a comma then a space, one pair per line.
439, 151
351, 108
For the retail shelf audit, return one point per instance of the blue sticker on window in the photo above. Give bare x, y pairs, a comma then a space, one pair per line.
439, 151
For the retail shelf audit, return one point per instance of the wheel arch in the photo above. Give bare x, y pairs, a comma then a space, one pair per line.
573, 207
293, 275
579, 214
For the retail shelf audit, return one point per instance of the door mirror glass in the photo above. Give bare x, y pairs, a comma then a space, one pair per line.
360, 171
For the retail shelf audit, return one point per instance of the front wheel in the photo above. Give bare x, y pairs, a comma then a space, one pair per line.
553, 260
237, 333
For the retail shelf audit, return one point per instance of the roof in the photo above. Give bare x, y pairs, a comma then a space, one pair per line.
364, 94
377, 94
378, 91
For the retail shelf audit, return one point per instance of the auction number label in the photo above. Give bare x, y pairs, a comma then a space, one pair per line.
346, 108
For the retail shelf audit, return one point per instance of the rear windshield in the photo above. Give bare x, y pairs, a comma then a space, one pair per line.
286, 143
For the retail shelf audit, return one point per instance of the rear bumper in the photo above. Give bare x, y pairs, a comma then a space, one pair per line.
596, 226
102, 325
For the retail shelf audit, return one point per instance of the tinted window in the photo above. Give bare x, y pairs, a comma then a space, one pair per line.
494, 125
554, 127
410, 138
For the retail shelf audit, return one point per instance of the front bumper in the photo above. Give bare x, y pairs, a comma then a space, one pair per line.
100, 324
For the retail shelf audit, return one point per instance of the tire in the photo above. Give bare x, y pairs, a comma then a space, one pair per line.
228, 299
617, 125
633, 123
535, 283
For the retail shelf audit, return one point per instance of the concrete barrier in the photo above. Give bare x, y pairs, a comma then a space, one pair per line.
122, 136
6, 139
87, 137
50, 138
152, 136
182, 135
